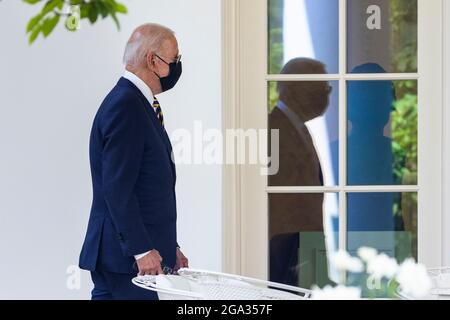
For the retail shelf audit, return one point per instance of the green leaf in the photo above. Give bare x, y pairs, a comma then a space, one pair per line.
102, 8
51, 5
116, 21
111, 4
34, 34
49, 24
32, 1
33, 22
93, 13
121, 8
84, 11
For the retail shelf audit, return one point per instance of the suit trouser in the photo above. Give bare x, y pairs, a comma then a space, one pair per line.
117, 286
284, 259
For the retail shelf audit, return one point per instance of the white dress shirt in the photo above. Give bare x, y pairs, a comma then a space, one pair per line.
141, 85
148, 94
294, 119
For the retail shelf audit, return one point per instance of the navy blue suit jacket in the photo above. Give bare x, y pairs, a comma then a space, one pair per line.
133, 176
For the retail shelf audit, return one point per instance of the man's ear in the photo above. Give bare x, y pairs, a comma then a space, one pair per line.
151, 62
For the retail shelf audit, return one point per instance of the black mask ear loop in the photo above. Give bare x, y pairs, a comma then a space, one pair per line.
159, 77
154, 64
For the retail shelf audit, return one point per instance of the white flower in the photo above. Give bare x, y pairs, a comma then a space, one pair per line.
337, 293
343, 261
414, 279
367, 254
382, 266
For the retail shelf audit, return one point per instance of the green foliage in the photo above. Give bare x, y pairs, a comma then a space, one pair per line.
273, 95
404, 137
405, 114
53, 10
276, 50
405, 117
275, 35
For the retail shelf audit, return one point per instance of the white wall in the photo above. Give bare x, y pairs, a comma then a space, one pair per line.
49, 93
446, 140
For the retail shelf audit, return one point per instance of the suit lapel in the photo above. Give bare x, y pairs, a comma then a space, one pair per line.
156, 123
162, 133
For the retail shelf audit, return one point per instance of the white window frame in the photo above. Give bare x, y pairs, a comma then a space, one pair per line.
244, 192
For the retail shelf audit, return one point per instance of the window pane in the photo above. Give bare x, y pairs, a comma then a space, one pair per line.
384, 221
303, 28
306, 117
384, 33
382, 133
298, 224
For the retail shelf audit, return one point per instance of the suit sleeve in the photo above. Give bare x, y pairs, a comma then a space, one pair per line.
124, 139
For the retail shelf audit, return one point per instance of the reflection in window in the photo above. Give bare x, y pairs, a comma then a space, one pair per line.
303, 229
306, 115
382, 32
384, 221
303, 28
382, 131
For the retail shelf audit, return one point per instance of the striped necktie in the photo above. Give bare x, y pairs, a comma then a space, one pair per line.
158, 111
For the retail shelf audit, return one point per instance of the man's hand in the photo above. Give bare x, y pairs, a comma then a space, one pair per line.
150, 264
182, 261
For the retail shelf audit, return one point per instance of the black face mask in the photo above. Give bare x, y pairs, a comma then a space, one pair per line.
171, 80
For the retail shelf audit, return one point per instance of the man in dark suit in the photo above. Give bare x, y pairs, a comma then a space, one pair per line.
132, 225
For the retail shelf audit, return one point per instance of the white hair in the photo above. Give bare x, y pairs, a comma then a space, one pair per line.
145, 38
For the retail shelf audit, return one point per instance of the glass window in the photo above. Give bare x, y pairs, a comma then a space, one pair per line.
306, 117
303, 28
384, 221
382, 132
382, 32
297, 243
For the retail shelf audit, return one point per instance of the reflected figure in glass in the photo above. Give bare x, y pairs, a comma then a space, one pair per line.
292, 215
